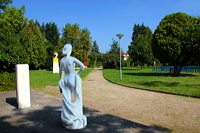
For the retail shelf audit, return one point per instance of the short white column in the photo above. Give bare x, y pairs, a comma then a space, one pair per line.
23, 85
55, 65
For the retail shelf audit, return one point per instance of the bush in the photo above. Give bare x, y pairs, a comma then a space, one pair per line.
99, 60
94, 60
7, 81
128, 62
111, 60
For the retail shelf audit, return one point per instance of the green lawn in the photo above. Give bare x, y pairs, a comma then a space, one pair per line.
187, 83
40, 79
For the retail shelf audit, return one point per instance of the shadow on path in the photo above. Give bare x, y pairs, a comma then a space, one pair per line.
12, 101
47, 120
44, 117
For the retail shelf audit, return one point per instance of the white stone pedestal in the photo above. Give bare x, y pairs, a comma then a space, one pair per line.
55, 65
23, 85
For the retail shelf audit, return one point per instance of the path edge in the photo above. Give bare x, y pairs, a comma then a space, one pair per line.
178, 94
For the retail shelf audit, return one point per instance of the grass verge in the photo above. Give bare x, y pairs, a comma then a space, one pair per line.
186, 83
42, 78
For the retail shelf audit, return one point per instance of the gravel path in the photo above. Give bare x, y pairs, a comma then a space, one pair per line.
163, 111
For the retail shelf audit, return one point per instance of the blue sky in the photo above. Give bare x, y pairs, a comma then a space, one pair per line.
106, 18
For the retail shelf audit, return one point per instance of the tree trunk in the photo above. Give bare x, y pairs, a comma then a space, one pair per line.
142, 65
177, 70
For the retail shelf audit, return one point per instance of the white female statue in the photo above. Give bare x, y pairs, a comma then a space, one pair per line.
72, 112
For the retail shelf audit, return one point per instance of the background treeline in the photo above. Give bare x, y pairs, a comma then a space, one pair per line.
176, 42
24, 41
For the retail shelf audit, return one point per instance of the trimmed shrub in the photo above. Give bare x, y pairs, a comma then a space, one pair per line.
111, 60
7, 81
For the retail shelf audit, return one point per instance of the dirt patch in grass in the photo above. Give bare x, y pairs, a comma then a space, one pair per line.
52, 90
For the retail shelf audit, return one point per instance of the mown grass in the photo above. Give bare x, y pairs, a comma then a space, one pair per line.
186, 83
42, 78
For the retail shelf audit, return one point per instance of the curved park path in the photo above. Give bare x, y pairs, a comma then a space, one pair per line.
163, 111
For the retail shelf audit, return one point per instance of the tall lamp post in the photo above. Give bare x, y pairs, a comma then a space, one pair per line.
120, 36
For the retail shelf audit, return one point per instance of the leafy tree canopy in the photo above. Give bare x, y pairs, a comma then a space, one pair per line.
80, 40
12, 52
176, 40
4, 4
140, 48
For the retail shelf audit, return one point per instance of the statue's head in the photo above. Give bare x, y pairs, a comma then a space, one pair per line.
67, 50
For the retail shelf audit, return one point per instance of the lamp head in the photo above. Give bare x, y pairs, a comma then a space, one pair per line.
120, 35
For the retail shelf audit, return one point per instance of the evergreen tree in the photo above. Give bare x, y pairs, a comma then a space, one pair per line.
12, 52
137, 31
33, 43
114, 47
43, 29
37, 23
95, 48
52, 35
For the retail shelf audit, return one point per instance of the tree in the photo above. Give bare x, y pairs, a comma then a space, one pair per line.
111, 60
71, 34
140, 49
83, 45
52, 33
95, 60
192, 42
137, 31
80, 40
33, 43
95, 48
95, 57
12, 52
114, 47
4, 4
42, 28
175, 40
37, 23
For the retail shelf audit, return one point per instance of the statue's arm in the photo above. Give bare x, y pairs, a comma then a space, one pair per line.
80, 64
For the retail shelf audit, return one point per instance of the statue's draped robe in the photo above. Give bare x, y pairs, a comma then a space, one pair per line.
72, 113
